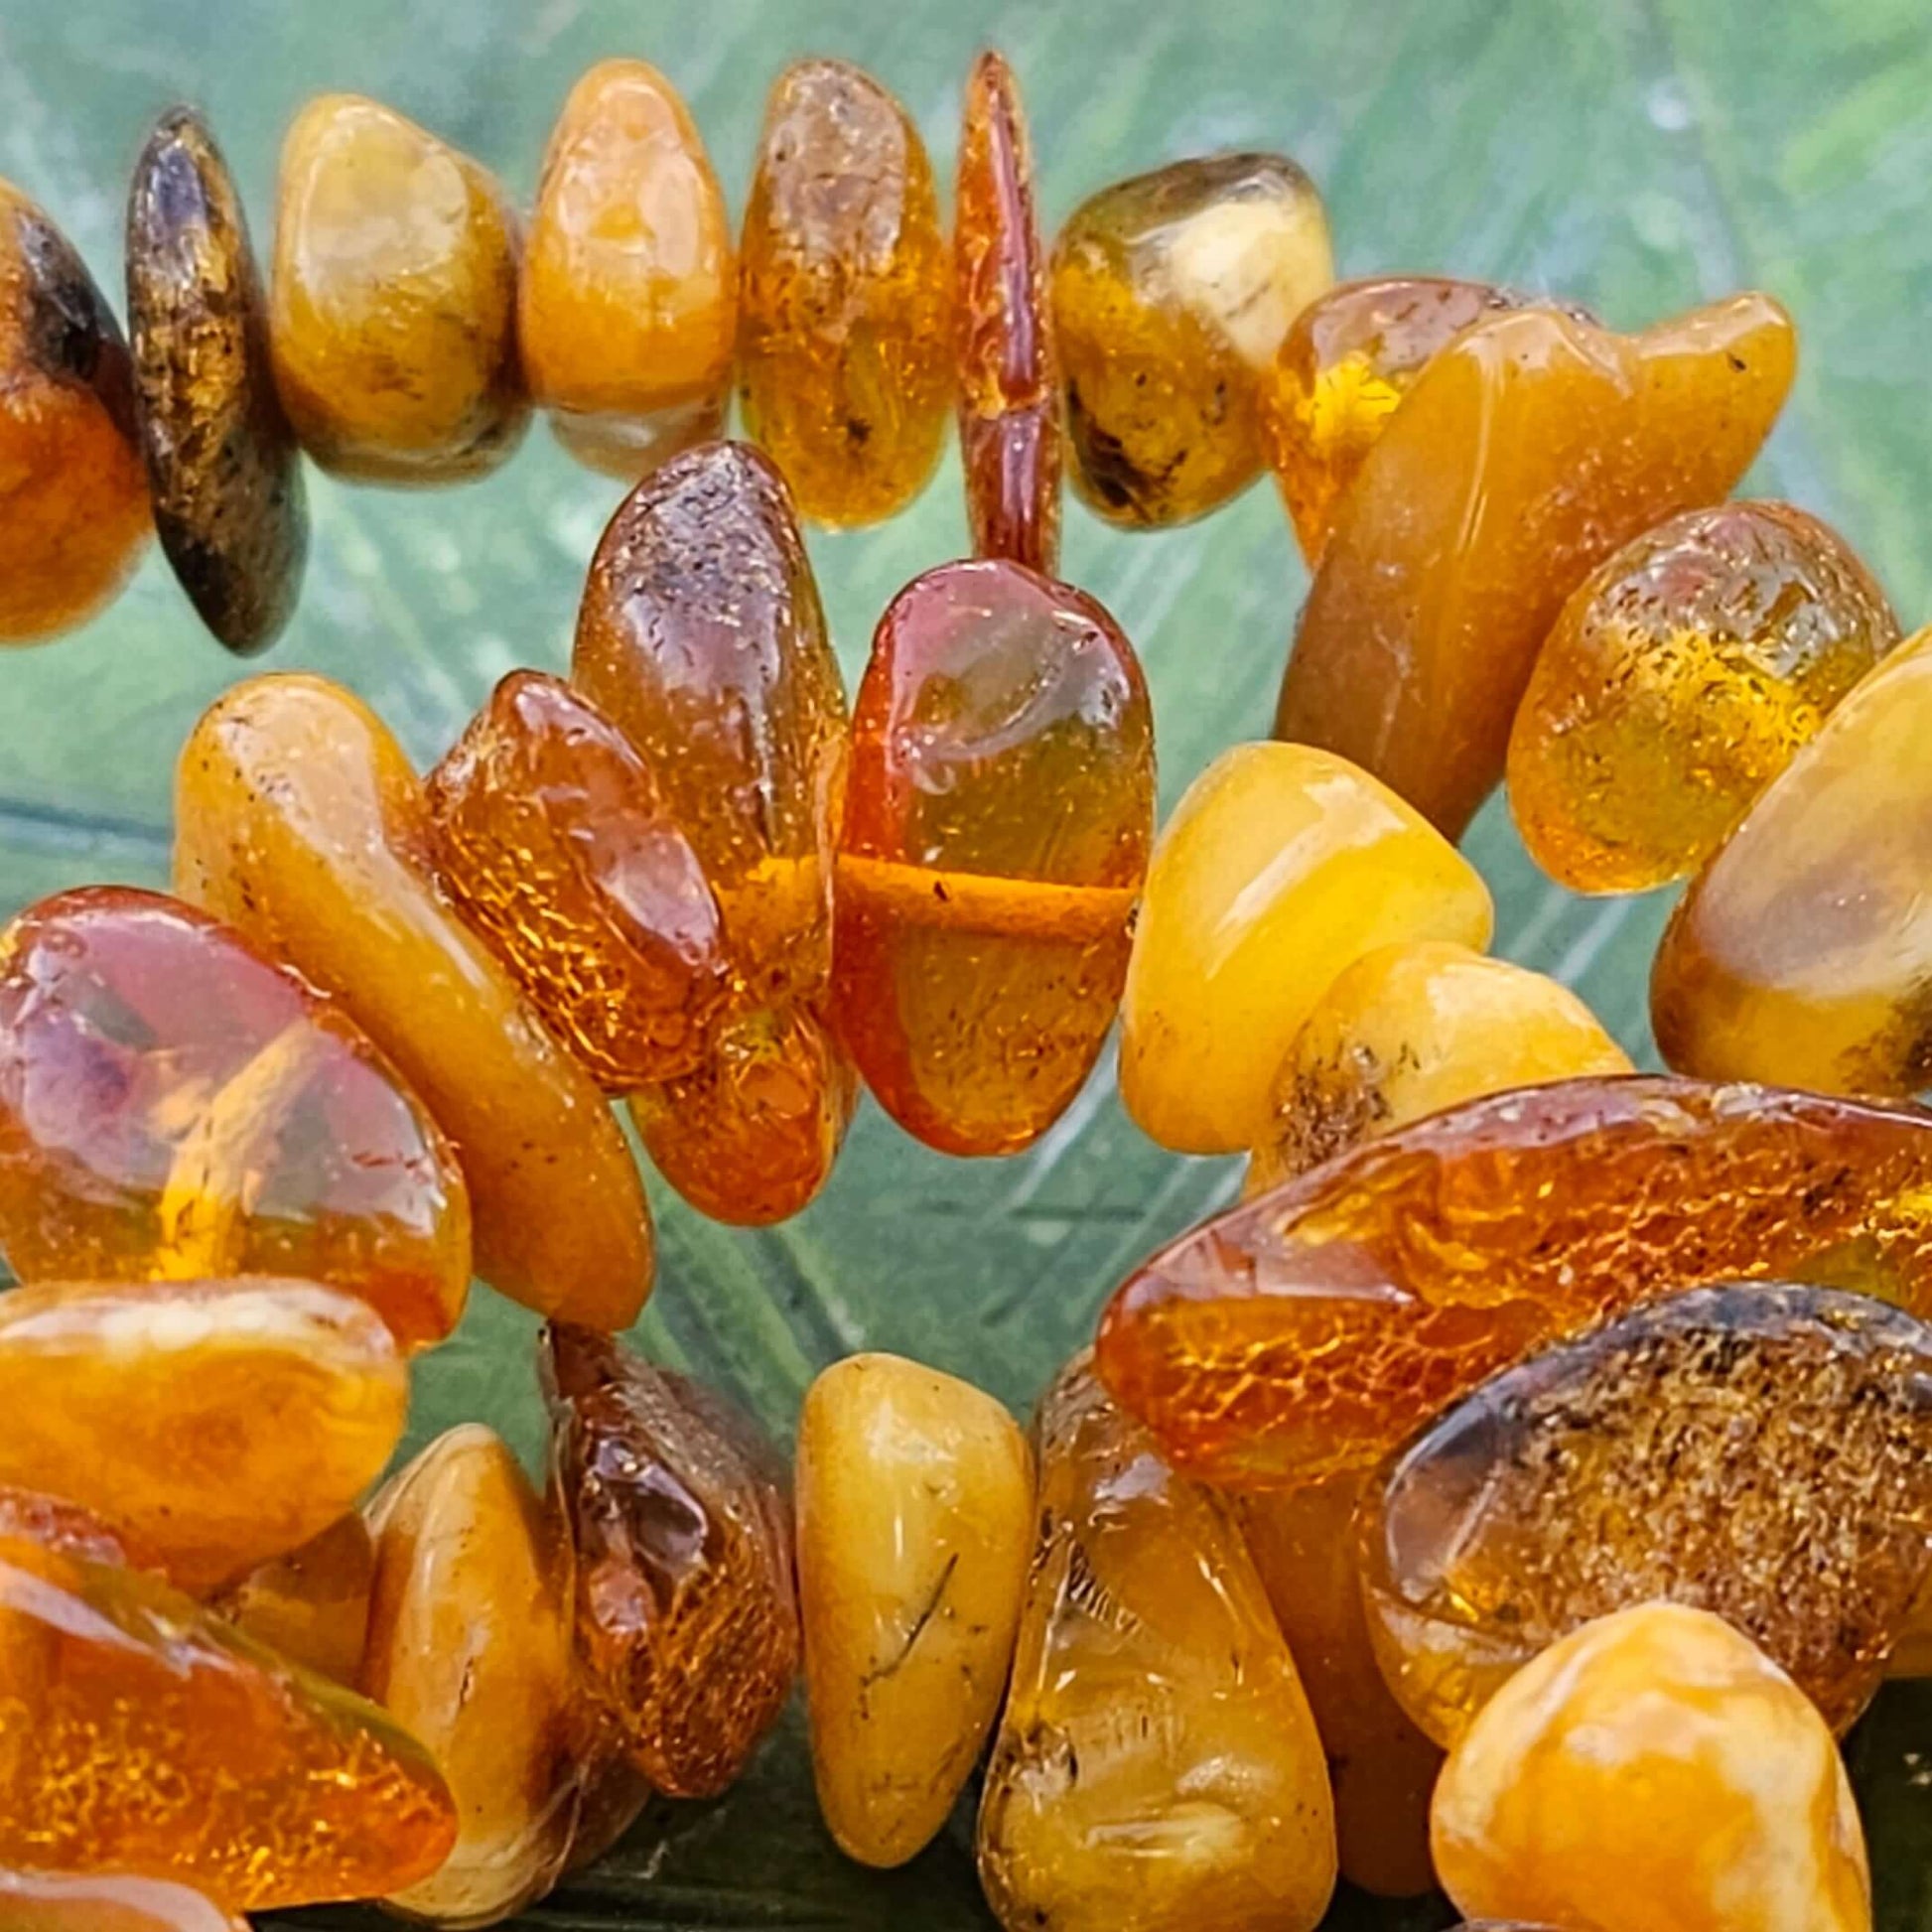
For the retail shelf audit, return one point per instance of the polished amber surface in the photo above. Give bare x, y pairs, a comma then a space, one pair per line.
393, 299
1280, 867
66, 1902
1300, 1335
1009, 377
312, 1605
1172, 295
997, 828
297, 819
172, 1105
74, 499
66, 1527
1653, 1769
687, 1614
844, 346
1157, 1768
1528, 449
915, 1524
629, 301
220, 456
551, 834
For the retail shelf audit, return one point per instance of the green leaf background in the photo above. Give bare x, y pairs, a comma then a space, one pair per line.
1642, 155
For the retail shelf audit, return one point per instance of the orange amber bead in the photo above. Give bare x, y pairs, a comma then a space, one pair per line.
312, 1605
57, 1524
64, 1901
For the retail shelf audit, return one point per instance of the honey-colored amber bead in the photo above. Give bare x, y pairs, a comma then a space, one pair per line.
393, 299
1682, 677
1157, 1768
1280, 867
915, 1524
1301, 1334
845, 346
996, 827
69, 1901
1172, 295
686, 1614
628, 308
1408, 1030
1802, 951
1009, 376
66, 1527
173, 1106
220, 456
312, 1605
552, 836
1653, 1769
73, 498
297, 819
1528, 451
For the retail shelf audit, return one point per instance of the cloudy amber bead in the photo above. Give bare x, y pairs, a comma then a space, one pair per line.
312, 1605
71, 1902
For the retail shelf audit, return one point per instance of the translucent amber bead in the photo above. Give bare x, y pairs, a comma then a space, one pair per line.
997, 829
66, 1527
1528, 449
845, 343
73, 501
1172, 295
393, 299
312, 1605
173, 1106
1408, 1030
915, 1523
1653, 1769
298, 818
1280, 867
628, 303
62, 1901
220, 456
1157, 1768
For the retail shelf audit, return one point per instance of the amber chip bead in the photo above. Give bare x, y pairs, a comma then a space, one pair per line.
997, 828
58, 1525
312, 1605
220, 457
71, 1902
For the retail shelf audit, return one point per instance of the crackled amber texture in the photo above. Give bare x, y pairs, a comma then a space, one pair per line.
552, 836
1157, 1768
1653, 1769
1803, 951
844, 346
915, 1523
66, 1902
1408, 1030
1172, 295
1528, 449
1681, 678
686, 1616
1280, 867
628, 303
1302, 1333
171, 1106
997, 828
312, 1605
220, 456
393, 299
74, 499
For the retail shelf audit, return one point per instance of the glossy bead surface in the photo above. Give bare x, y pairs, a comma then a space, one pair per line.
1280, 867
68, 1528
67, 1901
312, 1605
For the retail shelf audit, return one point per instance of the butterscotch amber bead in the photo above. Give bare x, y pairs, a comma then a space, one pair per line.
1530, 449
1280, 867
628, 304
73, 498
1655, 1768
297, 819
66, 1902
393, 299
220, 456
312, 1605
1172, 295
845, 344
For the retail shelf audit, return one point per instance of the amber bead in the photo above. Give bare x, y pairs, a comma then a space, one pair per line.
552, 836
65, 1901
312, 1605
996, 827
57, 1524
845, 344
628, 308
298, 818
171, 1106
1528, 449
393, 299
1280, 867
220, 456
74, 499
1653, 1769
1298, 1336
